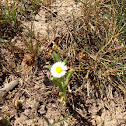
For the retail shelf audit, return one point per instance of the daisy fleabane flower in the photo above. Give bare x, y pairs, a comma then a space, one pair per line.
58, 69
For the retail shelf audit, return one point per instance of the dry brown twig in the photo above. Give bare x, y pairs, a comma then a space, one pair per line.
7, 87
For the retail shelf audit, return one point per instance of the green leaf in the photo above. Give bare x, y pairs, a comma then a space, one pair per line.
69, 74
56, 57
5, 122
65, 60
3, 40
62, 94
58, 81
48, 67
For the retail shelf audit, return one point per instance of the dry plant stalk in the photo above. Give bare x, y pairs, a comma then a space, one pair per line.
29, 59
7, 87
47, 2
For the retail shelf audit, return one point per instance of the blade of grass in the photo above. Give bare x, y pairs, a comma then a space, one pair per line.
61, 120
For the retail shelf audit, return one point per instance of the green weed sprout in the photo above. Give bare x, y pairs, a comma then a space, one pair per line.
60, 75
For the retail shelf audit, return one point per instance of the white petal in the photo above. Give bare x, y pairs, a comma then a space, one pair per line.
65, 68
63, 73
53, 69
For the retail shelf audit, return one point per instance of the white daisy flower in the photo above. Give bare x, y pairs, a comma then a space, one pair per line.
58, 69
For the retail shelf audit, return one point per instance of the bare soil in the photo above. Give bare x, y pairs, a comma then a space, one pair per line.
36, 97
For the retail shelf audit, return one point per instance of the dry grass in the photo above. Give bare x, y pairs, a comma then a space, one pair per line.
94, 41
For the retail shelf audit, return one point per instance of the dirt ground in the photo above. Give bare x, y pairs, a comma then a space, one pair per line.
35, 98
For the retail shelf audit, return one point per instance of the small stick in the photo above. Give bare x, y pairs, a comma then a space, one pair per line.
7, 87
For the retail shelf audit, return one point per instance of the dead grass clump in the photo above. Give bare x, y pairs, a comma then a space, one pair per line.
9, 23
95, 44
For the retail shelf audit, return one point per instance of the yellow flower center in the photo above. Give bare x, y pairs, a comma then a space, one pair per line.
58, 69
